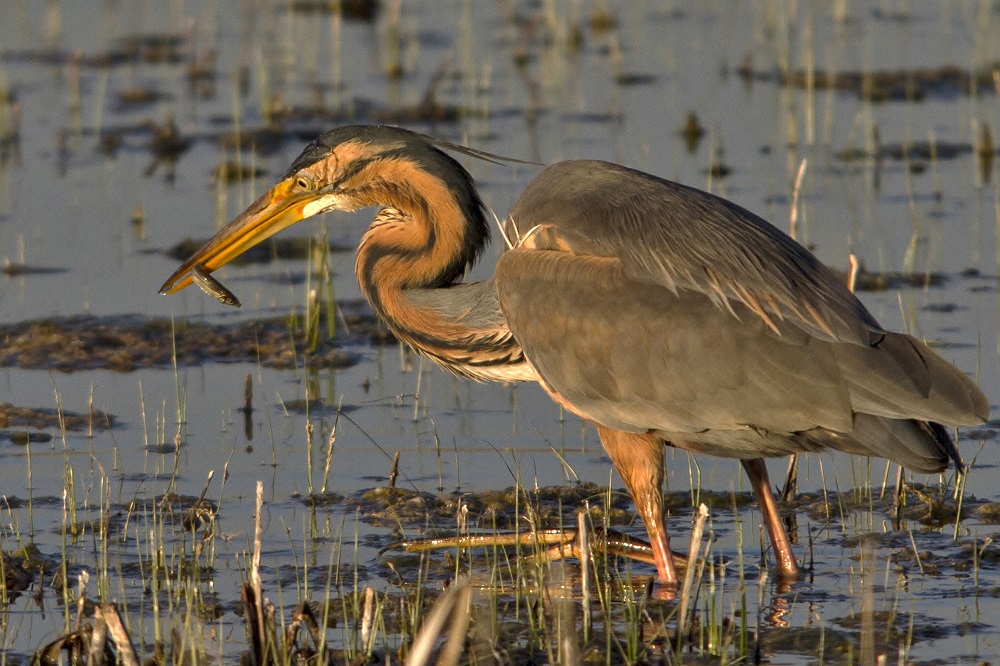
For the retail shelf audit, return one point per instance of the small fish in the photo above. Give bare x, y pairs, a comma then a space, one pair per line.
213, 287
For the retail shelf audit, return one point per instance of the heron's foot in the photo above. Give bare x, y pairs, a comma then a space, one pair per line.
787, 569
662, 590
785, 577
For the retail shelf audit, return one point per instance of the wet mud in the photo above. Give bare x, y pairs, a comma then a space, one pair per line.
128, 343
14, 419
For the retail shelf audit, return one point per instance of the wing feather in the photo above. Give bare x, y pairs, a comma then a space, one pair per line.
633, 356
686, 239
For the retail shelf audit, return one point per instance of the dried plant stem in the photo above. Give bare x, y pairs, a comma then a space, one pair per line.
693, 551
367, 614
255, 582
454, 604
116, 629
584, 539
793, 221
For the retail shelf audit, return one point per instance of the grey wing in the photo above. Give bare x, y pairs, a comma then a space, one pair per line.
685, 239
633, 356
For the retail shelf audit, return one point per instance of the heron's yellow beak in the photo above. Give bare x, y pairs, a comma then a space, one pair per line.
276, 210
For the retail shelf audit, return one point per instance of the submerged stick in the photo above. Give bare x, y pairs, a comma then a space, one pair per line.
564, 543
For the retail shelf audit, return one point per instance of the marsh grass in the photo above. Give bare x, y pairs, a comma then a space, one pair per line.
517, 604
320, 305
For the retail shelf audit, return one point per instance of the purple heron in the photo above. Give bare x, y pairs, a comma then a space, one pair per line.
664, 315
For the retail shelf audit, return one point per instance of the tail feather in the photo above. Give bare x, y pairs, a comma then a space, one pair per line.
921, 446
947, 444
900, 376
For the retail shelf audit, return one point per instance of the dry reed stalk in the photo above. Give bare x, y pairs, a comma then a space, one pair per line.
367, 615
585, 555
852, 275
689, 573
116, 629
453, 605
255, 626
98, 640
394, 472
81, 597
794, 214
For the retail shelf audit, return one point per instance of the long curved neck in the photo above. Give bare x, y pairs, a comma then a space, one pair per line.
408, 264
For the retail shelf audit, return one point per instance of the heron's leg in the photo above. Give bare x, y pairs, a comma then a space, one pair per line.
639, 460
757, 472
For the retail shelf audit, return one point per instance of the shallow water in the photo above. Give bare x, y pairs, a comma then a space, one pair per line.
65, 204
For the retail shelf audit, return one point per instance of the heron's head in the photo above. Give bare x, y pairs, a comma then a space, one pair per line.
345, 169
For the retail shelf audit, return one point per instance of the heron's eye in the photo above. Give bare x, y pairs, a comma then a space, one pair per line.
303, 184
